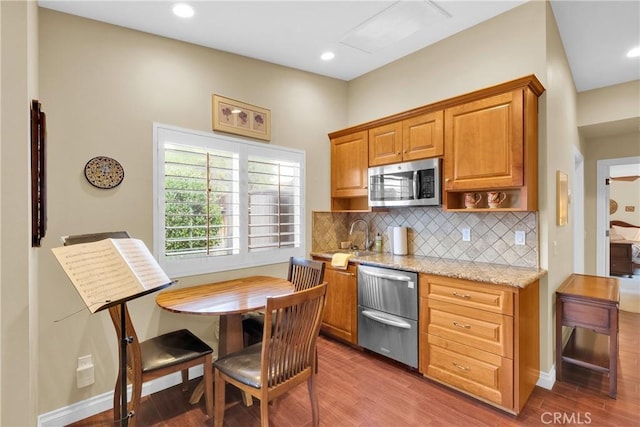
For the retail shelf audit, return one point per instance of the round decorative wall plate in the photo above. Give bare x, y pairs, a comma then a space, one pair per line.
613, 206
104, 172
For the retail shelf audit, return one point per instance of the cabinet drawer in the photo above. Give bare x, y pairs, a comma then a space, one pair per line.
468, 294
481, 374
621, 266
620, 250
476, 328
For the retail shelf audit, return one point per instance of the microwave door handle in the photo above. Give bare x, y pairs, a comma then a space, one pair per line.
416, 186
385, 320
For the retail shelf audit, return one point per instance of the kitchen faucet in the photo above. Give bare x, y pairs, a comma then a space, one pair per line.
367, 241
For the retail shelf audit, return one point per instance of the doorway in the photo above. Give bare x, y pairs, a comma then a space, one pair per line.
629, 287
602, 210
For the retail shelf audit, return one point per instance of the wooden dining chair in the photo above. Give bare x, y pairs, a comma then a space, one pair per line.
284, 359
304, 274
156, 357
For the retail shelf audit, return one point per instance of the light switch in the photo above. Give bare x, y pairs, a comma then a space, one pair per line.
466, 235
520, 238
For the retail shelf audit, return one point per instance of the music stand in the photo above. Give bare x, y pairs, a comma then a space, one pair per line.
94, 237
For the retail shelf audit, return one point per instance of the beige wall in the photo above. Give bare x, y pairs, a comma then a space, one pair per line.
18, 293
609, 104
601, 148
102, 87
501, 49
556, 154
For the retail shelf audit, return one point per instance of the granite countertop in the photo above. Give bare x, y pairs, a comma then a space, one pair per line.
496, 274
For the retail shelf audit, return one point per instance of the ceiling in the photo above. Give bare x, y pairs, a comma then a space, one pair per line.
365, 35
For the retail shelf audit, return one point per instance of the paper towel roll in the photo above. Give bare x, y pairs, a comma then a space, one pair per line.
390, 239
400, 240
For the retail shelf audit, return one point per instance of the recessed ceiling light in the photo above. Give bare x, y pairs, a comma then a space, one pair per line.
183, 10
327, 56
634, 52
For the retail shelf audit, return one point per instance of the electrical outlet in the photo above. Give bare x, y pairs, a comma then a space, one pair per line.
466, 235
520, 238
85, 375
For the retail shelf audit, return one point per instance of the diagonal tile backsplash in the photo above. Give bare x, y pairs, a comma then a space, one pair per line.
433, 232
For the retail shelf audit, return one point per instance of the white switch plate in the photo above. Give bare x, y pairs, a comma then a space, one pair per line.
85, 375
520, 238
466, 235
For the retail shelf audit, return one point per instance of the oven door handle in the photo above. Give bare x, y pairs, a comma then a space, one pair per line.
386, 320
386, 276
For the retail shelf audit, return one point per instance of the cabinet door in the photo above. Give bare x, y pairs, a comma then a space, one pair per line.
385, 144
349, 164
484, 143
423, 136
340, 311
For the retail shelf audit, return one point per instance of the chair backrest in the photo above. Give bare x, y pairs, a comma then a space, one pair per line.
288, 348
305, 273
134, 352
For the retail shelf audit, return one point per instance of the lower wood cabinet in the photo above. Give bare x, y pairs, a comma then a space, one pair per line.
480, 339
340, 318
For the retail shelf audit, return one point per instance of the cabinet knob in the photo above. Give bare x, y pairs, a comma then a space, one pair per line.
398, 153
447, 180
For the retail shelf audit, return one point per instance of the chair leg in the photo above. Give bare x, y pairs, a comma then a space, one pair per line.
264, 413
185, 379
247, 399
219, 383
208, 386
315, 409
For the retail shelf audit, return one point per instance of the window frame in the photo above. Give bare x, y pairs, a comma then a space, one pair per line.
194, 265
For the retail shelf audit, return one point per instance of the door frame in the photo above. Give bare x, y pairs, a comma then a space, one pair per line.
577, 202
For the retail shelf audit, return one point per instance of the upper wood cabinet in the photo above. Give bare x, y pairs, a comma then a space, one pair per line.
349, 164
416, 138
491, 144
488, 139
484, 143
385, 144
423, 136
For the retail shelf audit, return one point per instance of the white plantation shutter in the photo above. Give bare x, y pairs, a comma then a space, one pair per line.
224, 203
274, 204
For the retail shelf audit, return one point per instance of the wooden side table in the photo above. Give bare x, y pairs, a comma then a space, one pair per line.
589, 304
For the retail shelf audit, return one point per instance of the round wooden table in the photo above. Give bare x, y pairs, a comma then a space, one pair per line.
229, 300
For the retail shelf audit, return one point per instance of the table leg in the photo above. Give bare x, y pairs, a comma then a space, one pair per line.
559, 310
230, 333
230, 339
613, 352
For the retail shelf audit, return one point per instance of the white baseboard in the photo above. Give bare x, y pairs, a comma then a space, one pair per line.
103, 402
547, 379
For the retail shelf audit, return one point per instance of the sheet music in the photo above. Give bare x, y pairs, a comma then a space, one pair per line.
142, 263
110, 270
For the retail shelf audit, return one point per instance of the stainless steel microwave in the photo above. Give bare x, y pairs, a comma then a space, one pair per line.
415, 183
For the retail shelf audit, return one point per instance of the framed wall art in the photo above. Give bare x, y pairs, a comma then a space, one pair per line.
241, 119
562, 198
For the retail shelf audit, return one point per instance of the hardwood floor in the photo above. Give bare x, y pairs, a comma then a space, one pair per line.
356, 388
